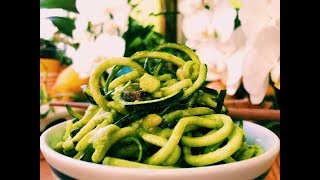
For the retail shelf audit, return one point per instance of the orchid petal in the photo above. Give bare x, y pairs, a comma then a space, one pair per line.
273, 9
70, 51
212, 3
263, 54
47, 29
188, 7
110, 46
121, 20
116, 26
45, 13
92, 9
197, 26
81, 36
223, 20
257, 98
253, 16
234, 64
211, 56
120, 11
193, 44
110, 27
84, 58
98, 11
275, 75
115, 5
89, 54
236, 40
238, 37
208, 53
278, 23
80, 33
81, 22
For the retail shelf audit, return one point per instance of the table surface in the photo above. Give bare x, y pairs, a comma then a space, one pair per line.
45, 173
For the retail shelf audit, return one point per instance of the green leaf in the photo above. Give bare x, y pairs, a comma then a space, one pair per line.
237, 21
69, 5
65, 25
48, 49
140, 37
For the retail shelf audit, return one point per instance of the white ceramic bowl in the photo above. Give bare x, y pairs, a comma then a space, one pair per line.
59, 114
64, 167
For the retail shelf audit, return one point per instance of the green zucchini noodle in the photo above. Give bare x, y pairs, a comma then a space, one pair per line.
164, 119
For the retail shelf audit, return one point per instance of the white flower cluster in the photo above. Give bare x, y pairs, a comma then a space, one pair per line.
249, 53
47, 29
100, 25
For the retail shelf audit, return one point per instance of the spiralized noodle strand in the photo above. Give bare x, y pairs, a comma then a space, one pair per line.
102, 67
160, 156
234, 143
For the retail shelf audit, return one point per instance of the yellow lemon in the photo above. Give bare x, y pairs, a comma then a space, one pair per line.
68, 82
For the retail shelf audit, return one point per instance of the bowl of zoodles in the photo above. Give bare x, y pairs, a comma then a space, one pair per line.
158, 121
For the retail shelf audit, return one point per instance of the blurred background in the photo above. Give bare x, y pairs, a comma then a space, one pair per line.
239, 40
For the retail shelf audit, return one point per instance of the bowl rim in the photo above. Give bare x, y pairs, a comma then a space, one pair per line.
274, 150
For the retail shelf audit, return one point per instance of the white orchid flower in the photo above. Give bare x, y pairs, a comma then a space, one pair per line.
255, 15
112, 15
234, 70
216, 23
262, 57
110, 46
119, 21
223, 20
209, 54
70, 51
47, 29
189, 7
90, 53
92, 9
260, 21
80, 34
83, 59
224, 60
236, 52
197, 27
45, 13
208, 29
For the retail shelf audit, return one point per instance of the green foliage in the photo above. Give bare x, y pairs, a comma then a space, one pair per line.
49, 50
69, 5
65, 25
237, 22
140, 38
